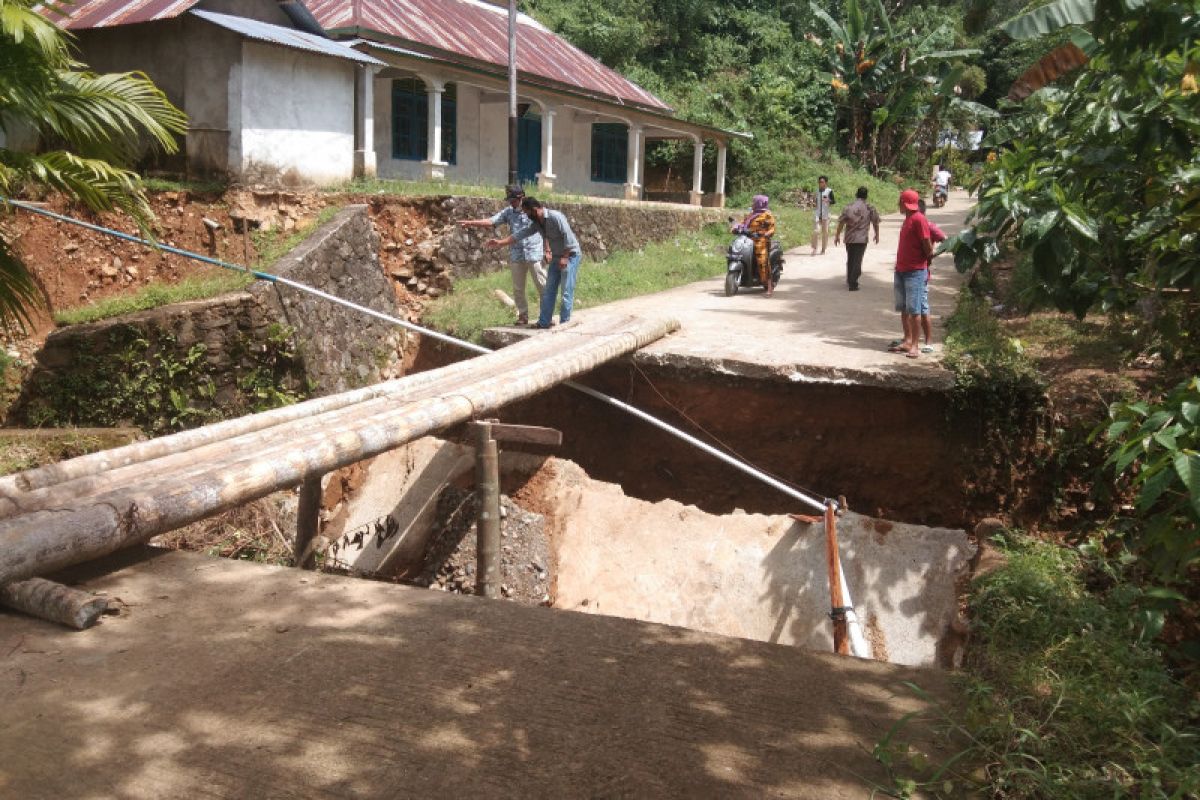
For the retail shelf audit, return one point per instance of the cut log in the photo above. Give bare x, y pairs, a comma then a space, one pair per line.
54, 602
503, 297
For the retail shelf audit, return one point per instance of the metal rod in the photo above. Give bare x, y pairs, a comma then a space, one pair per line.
712, 451
837, 605
487, 529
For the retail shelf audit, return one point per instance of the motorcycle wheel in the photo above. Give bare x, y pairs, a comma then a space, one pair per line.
731, 284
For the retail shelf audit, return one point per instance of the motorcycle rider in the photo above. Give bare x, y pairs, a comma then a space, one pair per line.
759, 225
941, 182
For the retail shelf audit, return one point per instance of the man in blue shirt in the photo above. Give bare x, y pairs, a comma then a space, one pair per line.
525, 256
564, 254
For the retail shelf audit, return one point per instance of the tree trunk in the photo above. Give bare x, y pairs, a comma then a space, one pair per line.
52, 601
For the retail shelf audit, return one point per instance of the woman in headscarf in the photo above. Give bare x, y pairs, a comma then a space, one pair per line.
759, 225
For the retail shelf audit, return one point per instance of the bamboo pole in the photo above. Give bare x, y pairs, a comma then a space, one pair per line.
841, 642
54, 602
487, 526
126, 512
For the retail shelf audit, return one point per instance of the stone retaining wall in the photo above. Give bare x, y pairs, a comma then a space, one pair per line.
602, 229
189, 363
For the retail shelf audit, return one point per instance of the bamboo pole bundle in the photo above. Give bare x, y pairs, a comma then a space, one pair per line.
184, 462
127, 509
13, 486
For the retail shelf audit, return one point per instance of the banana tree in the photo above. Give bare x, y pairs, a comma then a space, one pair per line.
883, 80
92, 123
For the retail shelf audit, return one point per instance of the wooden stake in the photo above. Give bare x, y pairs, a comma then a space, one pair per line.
54, 602
487, 528
841, 641
308, 521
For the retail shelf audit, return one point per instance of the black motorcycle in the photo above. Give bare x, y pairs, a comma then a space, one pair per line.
740, 272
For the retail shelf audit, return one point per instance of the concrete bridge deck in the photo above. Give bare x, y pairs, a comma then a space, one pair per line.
225, 679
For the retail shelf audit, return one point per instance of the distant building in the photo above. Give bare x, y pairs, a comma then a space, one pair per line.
325, 90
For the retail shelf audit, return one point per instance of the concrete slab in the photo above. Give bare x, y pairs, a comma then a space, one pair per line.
224, 679
812, 330
756, 576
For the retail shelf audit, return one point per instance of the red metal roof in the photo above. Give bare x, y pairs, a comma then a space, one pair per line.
470, 29
107, 13
479, 31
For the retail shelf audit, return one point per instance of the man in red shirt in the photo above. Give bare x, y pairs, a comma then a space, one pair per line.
912, 261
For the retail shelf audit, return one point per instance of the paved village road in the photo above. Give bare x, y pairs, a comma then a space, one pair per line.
813, 328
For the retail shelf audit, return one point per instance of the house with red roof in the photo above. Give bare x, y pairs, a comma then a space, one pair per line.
321, 91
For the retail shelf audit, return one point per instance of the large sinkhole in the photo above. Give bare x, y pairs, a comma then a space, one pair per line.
625, 520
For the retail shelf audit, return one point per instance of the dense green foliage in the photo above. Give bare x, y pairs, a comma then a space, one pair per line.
1099, 181
767, 67
1156, 449
93, 125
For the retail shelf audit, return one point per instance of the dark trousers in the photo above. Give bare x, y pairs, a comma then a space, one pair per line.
854, 258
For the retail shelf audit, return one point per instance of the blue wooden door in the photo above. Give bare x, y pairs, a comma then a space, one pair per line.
529, 147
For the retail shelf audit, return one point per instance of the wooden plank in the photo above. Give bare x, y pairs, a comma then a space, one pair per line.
526, 434
841, 640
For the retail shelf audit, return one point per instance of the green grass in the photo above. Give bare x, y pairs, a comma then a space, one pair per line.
195, 187
473, 307
270, 246
402, 188
153, 296
1065, 695
1067, 699
19, 452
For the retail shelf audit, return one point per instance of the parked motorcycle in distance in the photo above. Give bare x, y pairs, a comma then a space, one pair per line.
739, 264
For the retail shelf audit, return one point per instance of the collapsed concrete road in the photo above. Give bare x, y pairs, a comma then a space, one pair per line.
752, 576
225, 679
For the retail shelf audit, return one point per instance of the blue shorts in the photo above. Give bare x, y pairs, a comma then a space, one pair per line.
908, 288
925, 295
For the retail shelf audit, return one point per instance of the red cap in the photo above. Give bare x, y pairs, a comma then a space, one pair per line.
909, 199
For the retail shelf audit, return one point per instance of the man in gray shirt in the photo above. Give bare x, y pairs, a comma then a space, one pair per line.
524, 257
857, 219
564, 257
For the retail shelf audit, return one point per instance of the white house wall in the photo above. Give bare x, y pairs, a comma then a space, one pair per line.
297, 115
482, 128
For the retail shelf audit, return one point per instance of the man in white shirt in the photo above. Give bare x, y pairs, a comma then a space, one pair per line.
821, 214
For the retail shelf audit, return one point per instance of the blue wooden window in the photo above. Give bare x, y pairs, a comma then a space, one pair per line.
610, 149
450, 124
410, 121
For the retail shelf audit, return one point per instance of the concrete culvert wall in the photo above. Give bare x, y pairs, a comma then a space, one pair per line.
599, 551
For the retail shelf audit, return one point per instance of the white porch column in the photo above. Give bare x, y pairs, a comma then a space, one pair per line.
633, 164
545, 178
697, 195
364, 122
435, 168
722, 150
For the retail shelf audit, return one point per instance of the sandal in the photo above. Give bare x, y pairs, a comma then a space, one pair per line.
897, 348
911, 354
895, 343
927, 349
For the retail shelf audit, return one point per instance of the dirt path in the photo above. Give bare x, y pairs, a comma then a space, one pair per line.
813, 329
225, 679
